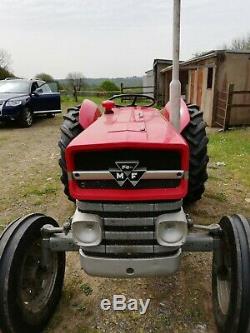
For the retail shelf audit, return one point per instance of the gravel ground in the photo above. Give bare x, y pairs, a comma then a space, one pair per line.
179, 303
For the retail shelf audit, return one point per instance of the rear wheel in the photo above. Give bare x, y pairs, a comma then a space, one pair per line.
26, 118
195, 135
69, 130
231, 276
29, 293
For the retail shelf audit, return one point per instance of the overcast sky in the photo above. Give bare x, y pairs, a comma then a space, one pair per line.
111, 37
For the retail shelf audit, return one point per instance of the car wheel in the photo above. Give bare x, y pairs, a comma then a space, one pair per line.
29, 292
26, 118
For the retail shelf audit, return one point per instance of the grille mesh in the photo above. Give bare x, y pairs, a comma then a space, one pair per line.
150, 159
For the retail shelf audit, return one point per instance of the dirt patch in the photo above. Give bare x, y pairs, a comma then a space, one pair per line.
179, 303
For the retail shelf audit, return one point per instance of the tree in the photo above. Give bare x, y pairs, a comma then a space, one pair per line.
45, 77
241, 44
5, 73
108, 85
76, 81
5, 59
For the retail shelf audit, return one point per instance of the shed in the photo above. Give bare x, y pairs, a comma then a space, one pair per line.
153, 81
219, 83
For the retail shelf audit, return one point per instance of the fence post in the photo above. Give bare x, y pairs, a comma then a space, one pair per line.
121, 88
228, 107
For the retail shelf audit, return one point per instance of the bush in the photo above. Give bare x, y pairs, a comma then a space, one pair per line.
109, 86
45, 77
5, 73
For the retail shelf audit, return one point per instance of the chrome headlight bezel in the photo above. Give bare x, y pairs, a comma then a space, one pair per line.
87, 229
171, 229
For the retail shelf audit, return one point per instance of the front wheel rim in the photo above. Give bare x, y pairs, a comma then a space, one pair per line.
28, 117
224, 279
36, 284
224, 291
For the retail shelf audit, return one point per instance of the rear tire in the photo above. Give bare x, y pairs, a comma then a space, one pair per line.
69, 130
195, 135
231, 276
29, 293
25, 118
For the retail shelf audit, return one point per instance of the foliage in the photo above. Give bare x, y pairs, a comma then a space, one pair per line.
108, 85
86, 288
75, 80
239, 44
5, 73
236, 44
5, 59
45, 77
93, 83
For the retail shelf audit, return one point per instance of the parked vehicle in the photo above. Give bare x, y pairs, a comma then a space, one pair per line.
22, 99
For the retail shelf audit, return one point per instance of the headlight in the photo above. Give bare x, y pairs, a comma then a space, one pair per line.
86, 229
171, 229
13, 102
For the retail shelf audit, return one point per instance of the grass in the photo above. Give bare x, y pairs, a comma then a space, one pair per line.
86, 289
232, 148
68, 101
220, 196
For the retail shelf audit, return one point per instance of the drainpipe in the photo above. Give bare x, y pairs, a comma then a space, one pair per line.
175, 85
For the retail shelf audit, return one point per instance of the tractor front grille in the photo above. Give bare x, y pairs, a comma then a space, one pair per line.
129, 228
106, 160
151, 159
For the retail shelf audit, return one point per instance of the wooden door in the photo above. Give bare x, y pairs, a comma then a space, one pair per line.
191, 99
199, 86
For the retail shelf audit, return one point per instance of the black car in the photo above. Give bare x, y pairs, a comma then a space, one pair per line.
22, 99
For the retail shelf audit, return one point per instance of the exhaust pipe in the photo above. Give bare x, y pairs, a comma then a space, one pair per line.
175, 85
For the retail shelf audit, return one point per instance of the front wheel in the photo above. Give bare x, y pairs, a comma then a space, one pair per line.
25, 118
231, 276
29, 293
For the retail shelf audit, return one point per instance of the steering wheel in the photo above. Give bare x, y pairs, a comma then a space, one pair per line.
134, 98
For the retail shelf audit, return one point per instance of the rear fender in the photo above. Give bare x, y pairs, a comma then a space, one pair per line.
89, 112
184, 116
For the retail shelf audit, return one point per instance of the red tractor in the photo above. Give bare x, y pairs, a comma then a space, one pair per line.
128, 170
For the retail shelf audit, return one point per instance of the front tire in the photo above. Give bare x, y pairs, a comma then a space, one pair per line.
231, 276
195, 135
29, 293
25, 118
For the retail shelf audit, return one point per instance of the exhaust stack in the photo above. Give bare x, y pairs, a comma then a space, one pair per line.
175, 85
